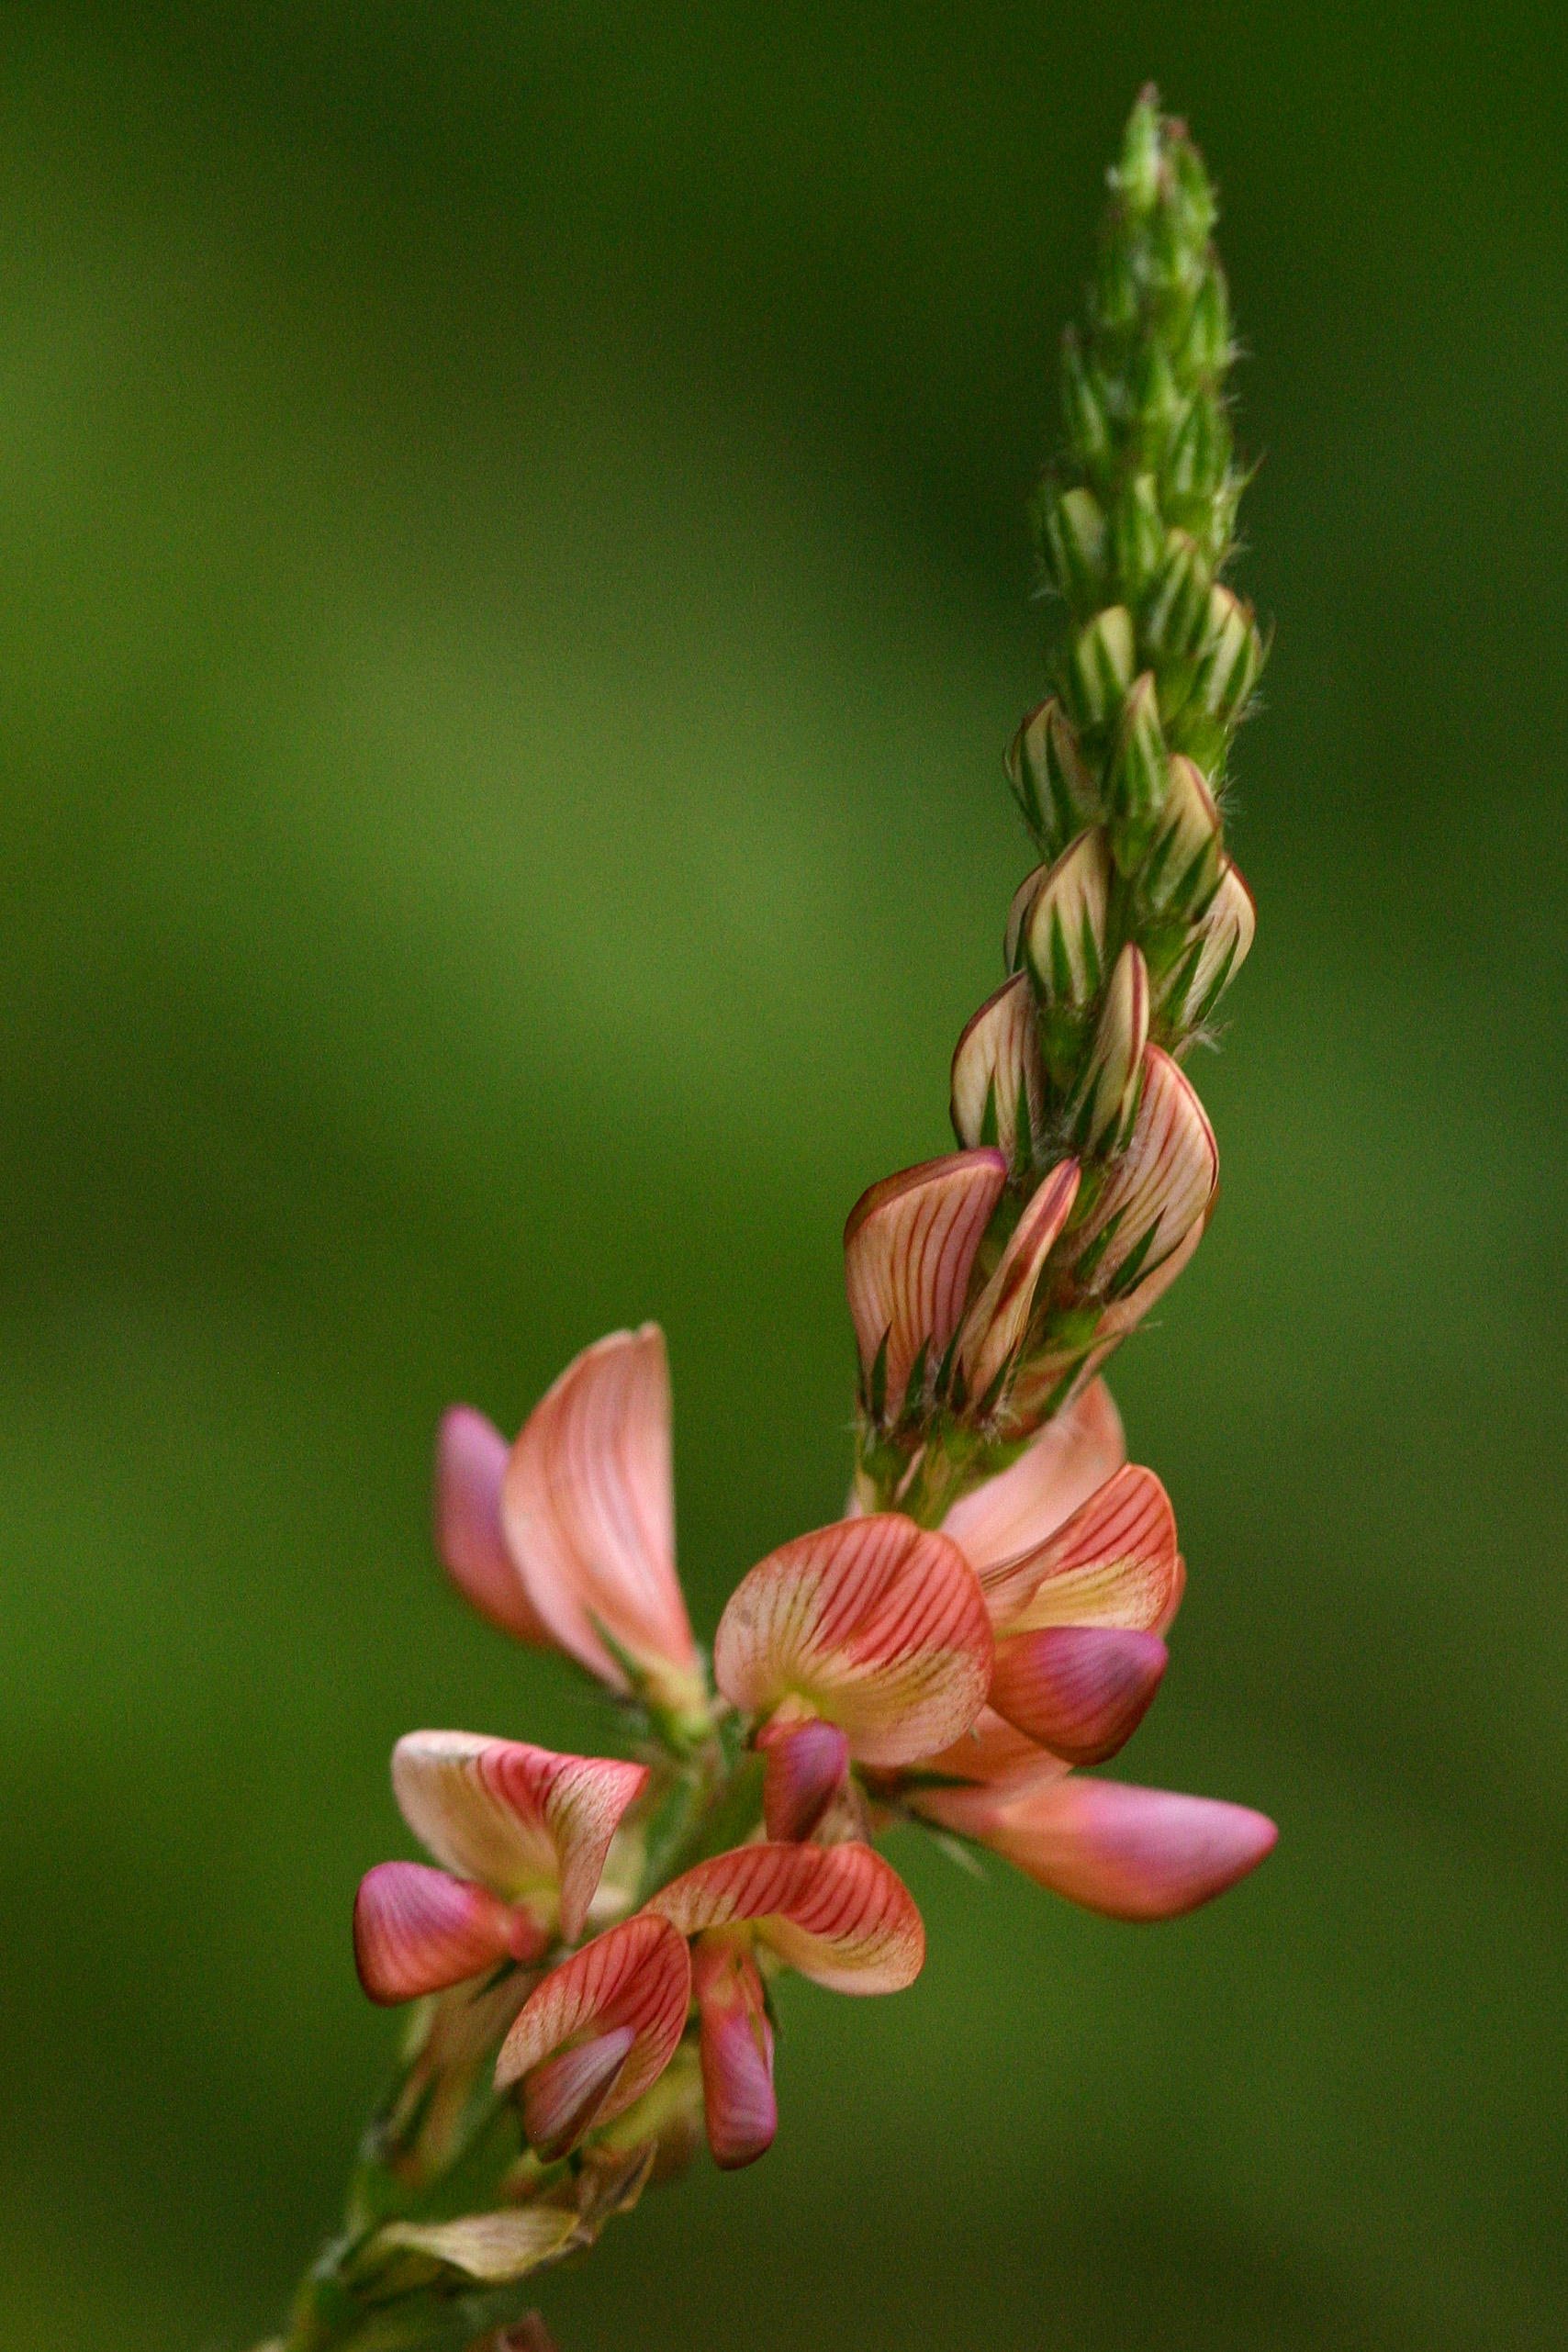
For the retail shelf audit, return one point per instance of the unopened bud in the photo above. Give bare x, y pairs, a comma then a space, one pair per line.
1231, 659
1135, 175
1192, 201
1137, 778
1157, 402
1200, 454
1206, 347
1139, 536
1050, 782
1183, 865
1064, 934
1076, 548
1100, 666
1218, 949
1116, 288
1087, 426
1176, 611
1105, 1100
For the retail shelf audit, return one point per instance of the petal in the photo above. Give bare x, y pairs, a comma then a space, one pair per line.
521, 1819
470, 1458
807, 1764
995, 1324
909, 1246
637, 1975
992, 1752
878, 1625
997, 1082
1072, 1455
1158, 1189
736, 2044
1114, 1563
589, 1511
494, 2248
836, 1913
1018, 914
561, 2097
1081, 1690
1102, 1099
1134, 1853
417, 1931
1226, 934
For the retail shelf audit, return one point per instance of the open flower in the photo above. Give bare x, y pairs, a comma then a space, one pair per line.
523, 1835
597, 2032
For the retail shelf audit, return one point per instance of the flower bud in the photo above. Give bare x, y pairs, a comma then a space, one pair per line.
1200, 454
1083, 400
1065, 934
1100, 667
1206, 347
1139, 536
1136, 174
1105, 1098
1230, 661
996, 1088
1052, 786
1137, 778
1183, 866
1115, 295
1176, 609
1076, 548
1218, 949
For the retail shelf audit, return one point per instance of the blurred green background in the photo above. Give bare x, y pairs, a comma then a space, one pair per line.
512, 593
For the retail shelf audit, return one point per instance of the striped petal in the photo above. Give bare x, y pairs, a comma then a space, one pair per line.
1158, 1190
836, 1913
589, 1511
563, 2095
1221, 943
1018, 914
998, 1083
807, 1764
737, 2046
1074, 1453
1081, 1690
1114, 1563
1133, 1854
470, 1459
995, 1324
524, 1822
417, 1931
909, 1246
1102, 1101
636, 1975
877, 1625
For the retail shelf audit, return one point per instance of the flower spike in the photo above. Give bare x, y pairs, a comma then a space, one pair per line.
622, 2003
908, 1249
470, 1463
874, 1624
836, 1913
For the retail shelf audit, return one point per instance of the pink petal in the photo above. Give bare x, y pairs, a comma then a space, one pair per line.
1081, 1690
995, 1324
470, 1458
908, 1249
997, 1062
637, 1975
1134, 1853
1114, 1563
873, 1623
837, 1913
1074, 1453
736, 2047
992, 1752
1164, 1183
807, 1764
589, 1511
524, 1822
417, 1931
562, 2098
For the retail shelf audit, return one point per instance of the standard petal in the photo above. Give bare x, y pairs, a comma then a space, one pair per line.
836, 1913
909, 1246
877, 1625
1158, 1190
563, 2095
737, 2046
417, 1931
1133, 1854
807, 1764
997, 1082
637, 1975
1073, 1454
525, 1821
1114, 1563
588, 1506
995, 1324
1081, 1690
470, 1459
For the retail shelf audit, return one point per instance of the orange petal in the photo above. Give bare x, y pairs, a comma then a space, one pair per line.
737, 2050
524, 1822
807, 1764
837, 1913
1081, 1690
470, 1459
1134, 1853
1157, 1189
417, 1931
909, 1246
995, 1324
589, 1511
996, 1068
878, 1625
1073, 1454
1114, 1563
637, 1975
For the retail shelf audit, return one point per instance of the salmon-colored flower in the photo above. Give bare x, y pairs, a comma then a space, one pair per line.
524, 1833
597, 2032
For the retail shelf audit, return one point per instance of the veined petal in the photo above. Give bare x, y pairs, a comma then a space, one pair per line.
878, 1625
1103, 1100
836, 1913
1134, 1853
737, 2046
470, 1459
417, 1931
908, 1248
521, 1819
1114, 1563
1081, 1690
992, 1752
1221, 943
998, 1083
996, 1322
1018, 914
1158, 1188
588, 1506
637, 1975
563, 2095
807, 1764
1074, 1453
1064, 929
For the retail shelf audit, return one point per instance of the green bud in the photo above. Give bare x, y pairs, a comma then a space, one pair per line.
1136, 176
1083, 399
1104, 1094
1116, 289
1076, 543
1140, 535
1193, 208
1064, 926
1230, 659
1199, 456
1137, 786
1100, 666
1176, 609
1206, 347
1050, 782
1157, 400
1183, 866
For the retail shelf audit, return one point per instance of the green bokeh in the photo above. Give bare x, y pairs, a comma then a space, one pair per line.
512, 590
